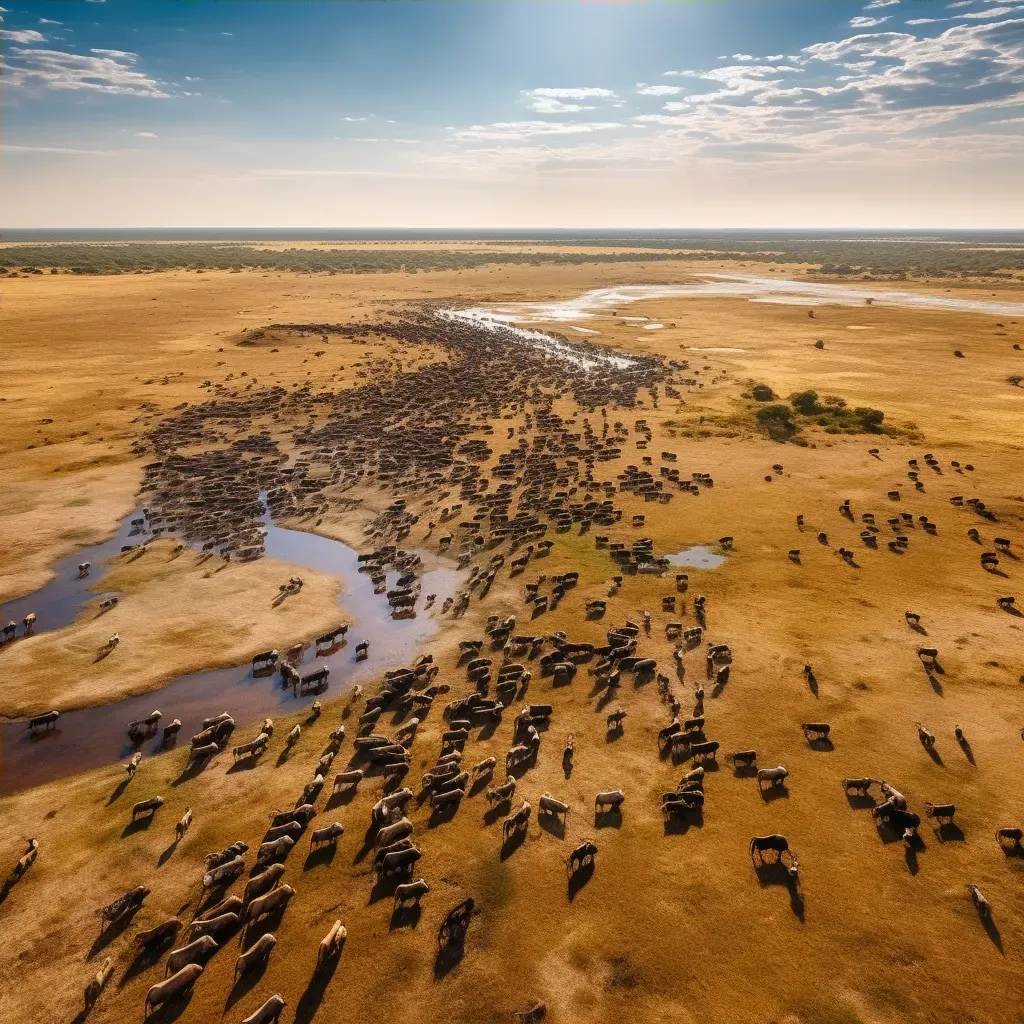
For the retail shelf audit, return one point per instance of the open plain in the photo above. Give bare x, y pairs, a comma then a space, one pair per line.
353, 408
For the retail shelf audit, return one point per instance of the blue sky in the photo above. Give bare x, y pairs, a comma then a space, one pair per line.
478, 113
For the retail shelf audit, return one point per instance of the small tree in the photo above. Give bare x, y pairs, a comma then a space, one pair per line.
805, 402
763, 393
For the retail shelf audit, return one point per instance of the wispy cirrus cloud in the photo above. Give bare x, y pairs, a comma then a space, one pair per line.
863, 21
59, 150
657, 90
104, 71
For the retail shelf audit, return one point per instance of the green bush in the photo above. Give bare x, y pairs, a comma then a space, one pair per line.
806, 402
763, 393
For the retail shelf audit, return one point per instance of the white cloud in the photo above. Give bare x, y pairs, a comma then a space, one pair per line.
354, 119
146, 135
104, 71
862, 22
658, 90
227, 33
880, 3
925, 21
992, 12
742, 56
552, 101
49, 21
526, 129
23, 35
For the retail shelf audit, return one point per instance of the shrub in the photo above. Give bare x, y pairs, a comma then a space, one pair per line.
763, 393
777, 421
806, 402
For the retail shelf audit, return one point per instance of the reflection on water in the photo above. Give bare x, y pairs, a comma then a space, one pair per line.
697, 557
757, 289
96, 736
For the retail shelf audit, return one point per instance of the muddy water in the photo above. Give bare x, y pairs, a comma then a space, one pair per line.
698, 556
96, 736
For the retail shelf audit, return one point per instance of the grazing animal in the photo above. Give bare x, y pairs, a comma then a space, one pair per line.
276, 850
760, 845
413, 891
744, 759
184, 824
268, 903
552, 806
858, 786
816, 731
940, 812
44, 721
517, 822
147, 807
257, 953
132, 766
331, 943
609, 800
224, 873
499, 794
581, 856
772, 776
269, 1012
981, 905
263, 883
1011, 836
329, 835
212, 926
173, 987
160, 934
97, 983
351, 778
197, 950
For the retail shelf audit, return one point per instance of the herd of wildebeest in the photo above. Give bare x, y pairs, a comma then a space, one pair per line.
421, 439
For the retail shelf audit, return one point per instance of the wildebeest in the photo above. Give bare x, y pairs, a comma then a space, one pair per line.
1010, 839
552, 806
411, 891
499, 794
159, 935
147, 807
743, 759
705, 751
224, 873
264, 661
97, 983
349, 778
269, 1012
263, 883
772, 776
173, 987
927, 738
516, 822
815, 732
942, 813
583, 855
268, 903
760, 845
682, 802
609, 800
44, 721
329, 835
197, 950
398, 860
257, 953
330, 945
981, 905
275, 850
184, 823
211, 926
858, 786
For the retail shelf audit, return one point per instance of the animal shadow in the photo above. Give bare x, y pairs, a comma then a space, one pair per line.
773, 793
824, 744
171, 1010
935, 756
608, 819
310, 1000
514, 841
137, 825
168, 853
324, 855
144, 960
112, 931
992, 931
497, 811
404, 916
949, 832
680, 824
552, 824
444, 813
118, 791
246, 982
965, 746
860, 803
579, 878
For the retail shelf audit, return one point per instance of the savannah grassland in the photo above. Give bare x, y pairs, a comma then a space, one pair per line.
674, 925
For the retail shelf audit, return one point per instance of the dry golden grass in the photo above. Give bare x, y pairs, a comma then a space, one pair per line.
674, 925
